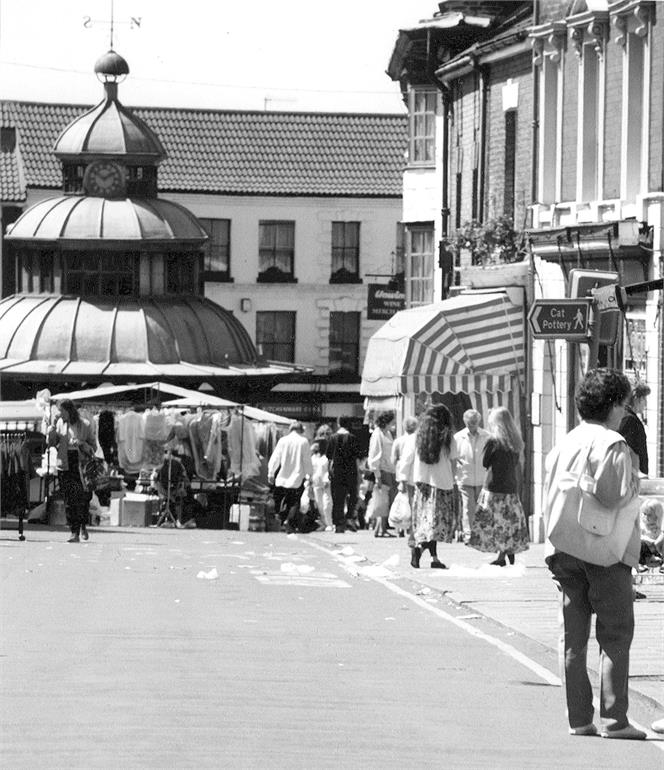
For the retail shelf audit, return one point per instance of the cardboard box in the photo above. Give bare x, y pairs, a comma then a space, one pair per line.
239, 514
137, 510
57, 515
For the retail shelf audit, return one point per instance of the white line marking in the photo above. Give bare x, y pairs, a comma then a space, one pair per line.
540, 671
512, 652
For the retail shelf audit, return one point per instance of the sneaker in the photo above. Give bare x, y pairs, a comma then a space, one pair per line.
84, 533
629, 733
74, 539
639, 595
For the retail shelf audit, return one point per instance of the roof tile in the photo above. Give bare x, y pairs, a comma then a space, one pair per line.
240, 152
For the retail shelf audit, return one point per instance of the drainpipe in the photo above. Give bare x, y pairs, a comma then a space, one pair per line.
528, 427
535, 139
484, 96
446, 98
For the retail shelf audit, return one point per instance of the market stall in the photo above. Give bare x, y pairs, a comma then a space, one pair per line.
149, 438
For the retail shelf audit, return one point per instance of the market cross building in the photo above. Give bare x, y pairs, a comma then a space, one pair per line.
108, 276
301, 213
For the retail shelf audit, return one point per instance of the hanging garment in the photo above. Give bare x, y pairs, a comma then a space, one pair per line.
242, 447
130, 441
106, 436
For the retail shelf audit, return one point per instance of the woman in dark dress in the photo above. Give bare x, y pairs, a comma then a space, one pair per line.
75, 440
500, 523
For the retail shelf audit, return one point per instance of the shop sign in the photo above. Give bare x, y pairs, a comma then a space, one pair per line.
296, 410
383, 302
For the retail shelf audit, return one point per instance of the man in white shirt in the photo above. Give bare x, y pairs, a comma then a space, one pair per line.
287, 469
470, 472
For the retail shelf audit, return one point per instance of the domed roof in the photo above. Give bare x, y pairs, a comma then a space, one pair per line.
83, 219
69, 338
111, 65
109, 129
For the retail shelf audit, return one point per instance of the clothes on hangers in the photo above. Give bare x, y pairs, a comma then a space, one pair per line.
131, 441
242, 447
15, 471
106, 436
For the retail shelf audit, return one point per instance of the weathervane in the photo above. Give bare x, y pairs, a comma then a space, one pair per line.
134, 22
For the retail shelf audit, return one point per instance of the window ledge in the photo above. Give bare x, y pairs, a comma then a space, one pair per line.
217, 276
345, 280
429, 164
276, 279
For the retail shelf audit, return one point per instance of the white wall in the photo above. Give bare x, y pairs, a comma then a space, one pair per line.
313, 297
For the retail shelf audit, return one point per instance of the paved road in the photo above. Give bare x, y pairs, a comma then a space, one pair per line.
197, 649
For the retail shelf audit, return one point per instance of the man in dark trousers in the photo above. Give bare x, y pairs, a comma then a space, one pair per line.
288, 467
631, 427
343, 452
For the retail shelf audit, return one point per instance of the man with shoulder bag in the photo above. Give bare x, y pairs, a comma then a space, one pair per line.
593, 541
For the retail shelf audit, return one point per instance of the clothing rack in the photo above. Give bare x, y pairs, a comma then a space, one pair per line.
14, 437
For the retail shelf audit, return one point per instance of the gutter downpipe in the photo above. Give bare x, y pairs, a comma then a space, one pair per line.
483, 135
446, 98
529, 428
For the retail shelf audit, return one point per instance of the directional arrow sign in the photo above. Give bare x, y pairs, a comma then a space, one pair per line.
566, 319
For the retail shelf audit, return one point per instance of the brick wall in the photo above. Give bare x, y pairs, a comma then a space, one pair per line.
612, 120
519, 69
466, 118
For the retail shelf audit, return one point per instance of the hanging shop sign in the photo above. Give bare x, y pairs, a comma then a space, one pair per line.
383, 302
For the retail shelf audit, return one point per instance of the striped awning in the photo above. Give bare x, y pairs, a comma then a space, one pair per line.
470, 343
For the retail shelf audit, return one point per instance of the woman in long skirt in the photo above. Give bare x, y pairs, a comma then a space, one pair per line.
500, 523
430, 464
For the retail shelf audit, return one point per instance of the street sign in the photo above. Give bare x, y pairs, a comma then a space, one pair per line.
566, 319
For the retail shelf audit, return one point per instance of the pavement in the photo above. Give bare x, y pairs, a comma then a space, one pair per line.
522, 598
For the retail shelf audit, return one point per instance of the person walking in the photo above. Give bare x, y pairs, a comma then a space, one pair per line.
320, 485
74, 438
343, 453
500, 523
586, 587
470, 472
287, 468
631, 426
403, 447
380, 462
431, 465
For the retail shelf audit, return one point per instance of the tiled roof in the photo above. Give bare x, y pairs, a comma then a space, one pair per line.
242, 153
12, 181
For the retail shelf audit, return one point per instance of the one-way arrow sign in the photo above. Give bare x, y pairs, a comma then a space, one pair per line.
566, 319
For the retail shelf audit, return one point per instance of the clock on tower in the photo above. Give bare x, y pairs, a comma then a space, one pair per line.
105, 179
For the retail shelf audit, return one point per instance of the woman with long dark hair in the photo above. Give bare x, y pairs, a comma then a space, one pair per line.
500, 523
435, 514
75, 440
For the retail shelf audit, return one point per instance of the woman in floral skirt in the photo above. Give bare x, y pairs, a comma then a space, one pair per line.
430, 464
500, 523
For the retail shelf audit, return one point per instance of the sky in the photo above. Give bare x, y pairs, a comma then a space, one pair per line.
216, 54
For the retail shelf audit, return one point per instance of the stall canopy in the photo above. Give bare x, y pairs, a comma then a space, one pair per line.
186, 398
472, 343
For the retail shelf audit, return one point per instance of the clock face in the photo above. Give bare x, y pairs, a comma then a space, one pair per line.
105, 179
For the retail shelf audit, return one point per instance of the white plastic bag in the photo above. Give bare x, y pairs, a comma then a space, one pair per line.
400, 511
378, 506
306, 498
